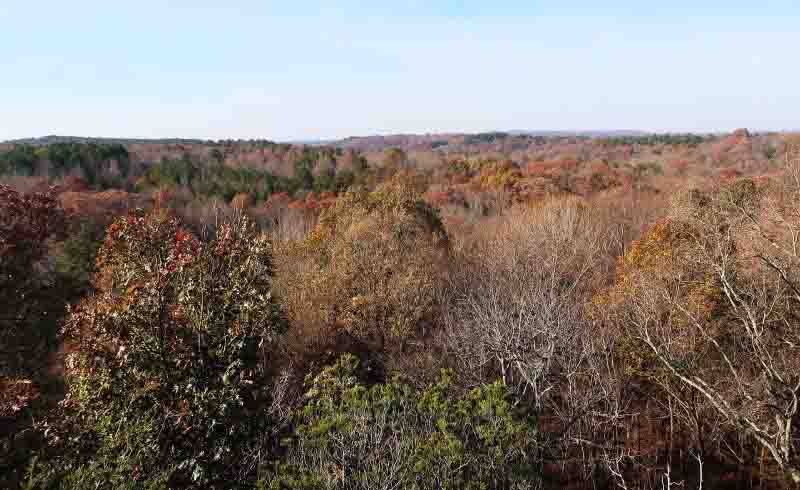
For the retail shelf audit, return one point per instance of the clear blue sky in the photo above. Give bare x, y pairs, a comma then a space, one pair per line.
311, 69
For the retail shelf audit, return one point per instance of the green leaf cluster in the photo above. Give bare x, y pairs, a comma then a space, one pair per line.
351, 435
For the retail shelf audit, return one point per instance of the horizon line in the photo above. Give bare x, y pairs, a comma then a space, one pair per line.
532, 132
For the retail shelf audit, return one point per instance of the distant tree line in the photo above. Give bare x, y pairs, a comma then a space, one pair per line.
493, 137
216, 179
101, 165
657, 139
105, 166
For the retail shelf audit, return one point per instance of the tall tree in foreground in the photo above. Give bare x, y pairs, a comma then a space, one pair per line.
30, 306
168, 372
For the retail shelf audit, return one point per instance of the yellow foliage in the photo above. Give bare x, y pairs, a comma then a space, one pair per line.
371, 267
659, 283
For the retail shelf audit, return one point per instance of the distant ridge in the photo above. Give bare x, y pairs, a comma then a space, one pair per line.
591, 133
344, 142
52, 139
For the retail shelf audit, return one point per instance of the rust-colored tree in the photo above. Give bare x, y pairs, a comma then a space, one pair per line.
709, 300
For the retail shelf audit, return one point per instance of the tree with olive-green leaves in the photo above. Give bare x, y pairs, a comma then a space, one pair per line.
169, 364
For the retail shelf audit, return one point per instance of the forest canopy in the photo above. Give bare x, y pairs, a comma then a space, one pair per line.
492, 311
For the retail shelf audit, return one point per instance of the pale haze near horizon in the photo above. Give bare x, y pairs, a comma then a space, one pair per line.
323, 70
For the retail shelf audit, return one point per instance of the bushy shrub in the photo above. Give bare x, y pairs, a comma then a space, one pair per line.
354, 436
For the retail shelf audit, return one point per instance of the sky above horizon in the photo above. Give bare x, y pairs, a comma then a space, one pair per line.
307, 70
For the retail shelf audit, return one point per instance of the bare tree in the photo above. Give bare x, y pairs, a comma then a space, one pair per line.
517, 306
719, 314
518, 312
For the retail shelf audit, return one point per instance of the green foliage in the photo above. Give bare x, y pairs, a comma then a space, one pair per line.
75, 263
316, 170
106, 165
647, 169
212, 179
180, 171
343, 181
303, 175
169, 376
90, 158
657, 139
349, 435
21, 160
475, 139
102, 165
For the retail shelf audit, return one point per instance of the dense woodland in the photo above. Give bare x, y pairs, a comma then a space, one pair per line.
491, 311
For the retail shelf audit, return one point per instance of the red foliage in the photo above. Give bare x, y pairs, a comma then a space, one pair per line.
729, 174
537, 168
297, 204
679, 165
26, 221
327, 199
